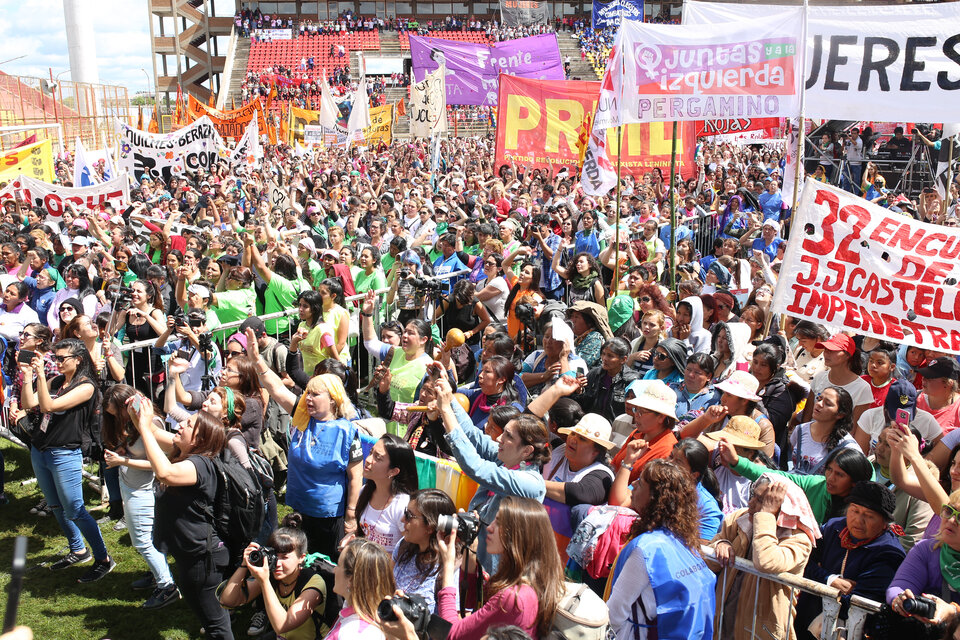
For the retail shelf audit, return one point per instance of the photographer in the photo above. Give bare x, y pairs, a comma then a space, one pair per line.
191, 332
406, 287
291, 592
142, 320
525, 591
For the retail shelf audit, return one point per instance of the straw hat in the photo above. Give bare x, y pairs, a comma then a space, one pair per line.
657, 397
740, 431
593, 427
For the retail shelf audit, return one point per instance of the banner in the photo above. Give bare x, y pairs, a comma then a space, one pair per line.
770, 126
473, 69
84, 174
34, 160
359, 118
163, 155
229, 124
53, 197
870, 271
889, 63
523, 13
273, 34
607, 13
540, 124
428, 113
312, 134
381, 126
669, 72
248, 149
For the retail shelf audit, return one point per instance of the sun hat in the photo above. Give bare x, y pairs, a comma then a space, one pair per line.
657, 397
740, 431
592, 427
740, 384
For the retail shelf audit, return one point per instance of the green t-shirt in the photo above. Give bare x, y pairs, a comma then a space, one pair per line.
281, 295
238, 304
363, 282
317, 274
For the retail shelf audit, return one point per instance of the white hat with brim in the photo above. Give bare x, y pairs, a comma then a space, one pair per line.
592, 427
740, 384
657, 397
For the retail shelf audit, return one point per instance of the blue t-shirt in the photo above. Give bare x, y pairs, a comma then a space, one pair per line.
772, 205
443, 266
770, 250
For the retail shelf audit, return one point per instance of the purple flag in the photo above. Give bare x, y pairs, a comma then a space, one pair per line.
472, 69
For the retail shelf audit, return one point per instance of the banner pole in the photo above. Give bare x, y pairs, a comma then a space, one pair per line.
673, 208
616, 224
946, 187
801, 135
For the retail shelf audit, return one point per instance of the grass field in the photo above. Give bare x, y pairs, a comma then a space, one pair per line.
53, 604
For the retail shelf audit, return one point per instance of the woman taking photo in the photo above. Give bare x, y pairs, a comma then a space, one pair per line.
70, 403
417, 558
507, 467
291, 592
524, 591
142, 320
659, 585
325, 458
123, 447
495, 289
390, 472
181, 522
525, 290
583, 276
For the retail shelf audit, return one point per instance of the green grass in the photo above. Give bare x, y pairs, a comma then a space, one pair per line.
54, 604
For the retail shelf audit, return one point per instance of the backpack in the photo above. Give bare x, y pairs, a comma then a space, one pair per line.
238, 507
581, 615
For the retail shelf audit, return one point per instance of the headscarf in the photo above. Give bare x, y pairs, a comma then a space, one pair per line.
676, 351
795, 512
621, 310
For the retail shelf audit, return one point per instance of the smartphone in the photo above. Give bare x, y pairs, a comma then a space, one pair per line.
16, 583
903, 420
26, 357
183, 353
136, 404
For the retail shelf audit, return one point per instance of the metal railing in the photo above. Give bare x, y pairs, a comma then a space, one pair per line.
830, 597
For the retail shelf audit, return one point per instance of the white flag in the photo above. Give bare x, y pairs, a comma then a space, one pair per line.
428, 105
329, 111
359, 112
83, 172
794, 155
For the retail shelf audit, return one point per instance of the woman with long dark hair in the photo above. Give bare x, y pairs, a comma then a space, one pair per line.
461, 311
525, 290
390, 471
660, 568
583, 274
71, 402
143, 320
693, 456
124, 448
417, 557
314, 337
336, 315
496, 385
844, 368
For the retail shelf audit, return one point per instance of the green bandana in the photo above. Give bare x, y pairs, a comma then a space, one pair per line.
950, 566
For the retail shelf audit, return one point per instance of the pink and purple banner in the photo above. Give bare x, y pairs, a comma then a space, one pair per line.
473, 69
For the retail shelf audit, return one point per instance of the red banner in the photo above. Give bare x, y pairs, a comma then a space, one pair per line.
540, 125
771, 126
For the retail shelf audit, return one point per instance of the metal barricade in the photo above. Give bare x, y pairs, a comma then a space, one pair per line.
852, 628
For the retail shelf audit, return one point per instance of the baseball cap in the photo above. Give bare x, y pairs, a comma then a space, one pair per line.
839, 342
943, 367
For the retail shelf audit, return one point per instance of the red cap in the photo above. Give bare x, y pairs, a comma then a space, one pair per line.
839, 342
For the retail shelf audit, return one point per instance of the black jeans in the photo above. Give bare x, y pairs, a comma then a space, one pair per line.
198, 582
323, 536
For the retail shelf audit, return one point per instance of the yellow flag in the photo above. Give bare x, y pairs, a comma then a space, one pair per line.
34, 161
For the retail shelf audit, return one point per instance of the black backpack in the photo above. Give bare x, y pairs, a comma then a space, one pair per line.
239, 507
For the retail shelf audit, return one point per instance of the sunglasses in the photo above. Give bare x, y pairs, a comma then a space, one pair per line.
24, 335
408, 515
231, 352
61, 359
646, 299
661, 356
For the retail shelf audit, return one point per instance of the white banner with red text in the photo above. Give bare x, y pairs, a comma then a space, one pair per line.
858, 266
54, 197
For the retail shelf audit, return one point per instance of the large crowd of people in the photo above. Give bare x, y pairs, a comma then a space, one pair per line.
627, 423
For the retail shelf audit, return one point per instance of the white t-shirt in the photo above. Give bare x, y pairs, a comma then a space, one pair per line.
383, 525
812, 452
872, 423
859, 389
495, 304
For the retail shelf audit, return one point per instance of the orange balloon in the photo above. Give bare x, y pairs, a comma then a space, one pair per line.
455, 338
463, 400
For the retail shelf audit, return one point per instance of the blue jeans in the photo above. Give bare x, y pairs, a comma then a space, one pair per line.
138, 507
59, 474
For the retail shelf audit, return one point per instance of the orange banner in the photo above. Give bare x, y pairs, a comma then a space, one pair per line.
541, 124
229, 124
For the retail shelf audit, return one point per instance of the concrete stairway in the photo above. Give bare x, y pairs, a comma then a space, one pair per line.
580, 69
240, 57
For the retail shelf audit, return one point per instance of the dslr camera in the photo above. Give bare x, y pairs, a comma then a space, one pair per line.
417, 611
263, 555
467, 526
920, 607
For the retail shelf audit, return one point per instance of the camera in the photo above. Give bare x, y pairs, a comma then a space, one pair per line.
417, 611
405, 273
120, 296
920, 607
264, 554
526, 314
466, 524
205, 343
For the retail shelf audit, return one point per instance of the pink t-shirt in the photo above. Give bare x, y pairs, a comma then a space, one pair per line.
516, 605
948, 418
350, 626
